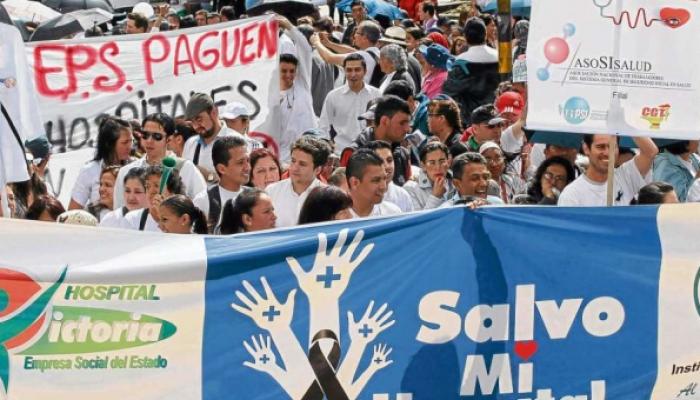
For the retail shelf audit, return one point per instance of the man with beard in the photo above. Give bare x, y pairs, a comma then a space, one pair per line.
205, 120
590, 189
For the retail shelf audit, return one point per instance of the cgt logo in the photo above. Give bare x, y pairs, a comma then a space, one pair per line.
22, 313
656, 115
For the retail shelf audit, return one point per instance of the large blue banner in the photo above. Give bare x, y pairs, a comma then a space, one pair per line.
499, 303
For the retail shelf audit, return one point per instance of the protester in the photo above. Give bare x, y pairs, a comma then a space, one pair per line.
359, 14
486, 126
183, 131
443, 121
114, 141
337, 179
434, 184
427, 15
179, 215
437, 61
251, 211
367, 185
236, 116
470, 177
325, 203
678, 165
308, 156
146, 219
395, 194
158, 128
134, 198
45, 208
136, 23
233, 168
656, 193
510, 185
591, 189
105, 204
394, 65
265, 169
551, 178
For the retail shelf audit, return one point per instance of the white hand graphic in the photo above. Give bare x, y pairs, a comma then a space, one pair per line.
264, 359
330, 274
379, 360
268, 313
369, 326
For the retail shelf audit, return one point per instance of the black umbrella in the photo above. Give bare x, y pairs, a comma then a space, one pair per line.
68, 24
291, 9
66, 6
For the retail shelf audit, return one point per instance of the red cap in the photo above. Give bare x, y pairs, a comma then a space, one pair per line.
510, 102
439, 38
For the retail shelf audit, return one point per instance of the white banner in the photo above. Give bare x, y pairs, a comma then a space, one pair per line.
131, 76
613, 66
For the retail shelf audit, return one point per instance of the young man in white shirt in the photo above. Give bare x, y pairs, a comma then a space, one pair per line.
590, 189
158, 129
205, 120
309, 155
232, 165
345, 104
296, 108
367, 184
395, 194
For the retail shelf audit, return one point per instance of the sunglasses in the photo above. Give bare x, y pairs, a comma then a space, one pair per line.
157, 136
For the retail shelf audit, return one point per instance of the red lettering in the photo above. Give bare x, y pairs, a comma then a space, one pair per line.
247, 58
74, 66
199, 55
40, 71
267, 39
236, 47
182, 39
101, 83
149, 59
646, 111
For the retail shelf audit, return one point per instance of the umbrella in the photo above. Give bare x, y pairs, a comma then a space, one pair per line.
32, 11
291, 9
68, 24
374, 8
65, 6
519, 8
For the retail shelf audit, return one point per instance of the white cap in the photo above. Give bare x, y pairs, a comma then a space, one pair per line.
234, 110
77, 217
487, 146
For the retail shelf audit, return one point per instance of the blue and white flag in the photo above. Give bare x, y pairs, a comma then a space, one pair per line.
501, 303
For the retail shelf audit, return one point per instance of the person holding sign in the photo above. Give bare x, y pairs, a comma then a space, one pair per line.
590, 189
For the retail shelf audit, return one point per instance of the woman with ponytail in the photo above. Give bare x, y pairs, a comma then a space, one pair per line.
251, 211
178, 214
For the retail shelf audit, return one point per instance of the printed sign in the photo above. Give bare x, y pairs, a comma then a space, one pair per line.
611, 66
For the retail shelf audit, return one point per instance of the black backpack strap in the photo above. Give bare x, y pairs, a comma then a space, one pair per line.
377, 74
197, 149
214, 206
144, 217
124, 210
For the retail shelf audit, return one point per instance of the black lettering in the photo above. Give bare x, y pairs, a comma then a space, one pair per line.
243, 90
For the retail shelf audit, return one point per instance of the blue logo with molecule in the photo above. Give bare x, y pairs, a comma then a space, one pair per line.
576, 110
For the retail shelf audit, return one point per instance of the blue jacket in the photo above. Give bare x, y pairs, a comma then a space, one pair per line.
669, 168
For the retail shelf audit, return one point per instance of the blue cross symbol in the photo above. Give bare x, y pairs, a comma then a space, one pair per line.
328, 277
366, 330
264, 359
378, 360
271, 313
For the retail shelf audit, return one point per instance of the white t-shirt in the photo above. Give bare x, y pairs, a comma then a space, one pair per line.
398, 196
382, 209
113, 219
583, 192
86, 189
133, 219
287, 202
190, 175
202, 199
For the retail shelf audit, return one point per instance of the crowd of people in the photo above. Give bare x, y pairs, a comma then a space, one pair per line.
380, 118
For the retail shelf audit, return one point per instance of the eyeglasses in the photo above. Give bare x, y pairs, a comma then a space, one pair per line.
495, 160
556, 178
433, 163
157, 136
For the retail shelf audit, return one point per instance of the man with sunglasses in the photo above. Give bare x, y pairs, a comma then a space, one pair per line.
158, 129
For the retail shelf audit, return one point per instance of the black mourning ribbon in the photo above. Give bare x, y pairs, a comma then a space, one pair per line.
326, 382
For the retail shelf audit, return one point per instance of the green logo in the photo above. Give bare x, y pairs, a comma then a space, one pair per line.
74, 330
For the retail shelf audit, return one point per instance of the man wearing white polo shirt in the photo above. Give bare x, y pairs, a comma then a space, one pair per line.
308, 156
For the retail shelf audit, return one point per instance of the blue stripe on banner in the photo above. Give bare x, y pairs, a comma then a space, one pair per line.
584, 318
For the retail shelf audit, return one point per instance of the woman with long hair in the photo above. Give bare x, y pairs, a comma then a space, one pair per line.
325, 203
134, 197
114, 142
105, 204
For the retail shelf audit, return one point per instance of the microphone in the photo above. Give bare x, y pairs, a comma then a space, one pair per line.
168, 165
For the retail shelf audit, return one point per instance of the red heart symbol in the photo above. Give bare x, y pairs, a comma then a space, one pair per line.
674, 17
525, 350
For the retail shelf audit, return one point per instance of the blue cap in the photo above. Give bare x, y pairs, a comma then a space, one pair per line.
436, 55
